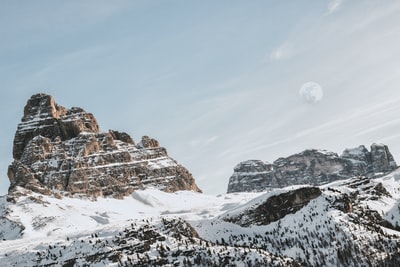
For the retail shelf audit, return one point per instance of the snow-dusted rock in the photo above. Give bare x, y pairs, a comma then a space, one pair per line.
275, 207
42, 116
311, 166
261, 174
62, 150
382, 159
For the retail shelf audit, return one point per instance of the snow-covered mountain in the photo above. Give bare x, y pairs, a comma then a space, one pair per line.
354, 222
92, 214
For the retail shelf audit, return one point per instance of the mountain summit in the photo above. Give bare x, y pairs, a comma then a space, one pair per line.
60, 150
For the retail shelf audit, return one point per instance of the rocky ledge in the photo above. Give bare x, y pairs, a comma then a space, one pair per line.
311, 166
60, 150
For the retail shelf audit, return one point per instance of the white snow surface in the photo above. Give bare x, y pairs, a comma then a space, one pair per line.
48, 220
69, 216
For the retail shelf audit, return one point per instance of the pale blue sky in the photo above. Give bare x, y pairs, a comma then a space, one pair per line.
216, 82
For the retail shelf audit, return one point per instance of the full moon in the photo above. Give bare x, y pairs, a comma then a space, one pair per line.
311, 92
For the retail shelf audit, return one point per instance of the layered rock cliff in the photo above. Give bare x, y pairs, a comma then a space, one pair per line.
62, 150
312, 166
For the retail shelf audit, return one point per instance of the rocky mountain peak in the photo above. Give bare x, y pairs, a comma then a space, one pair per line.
57, 149
42, 116
42, 106
311, 166
254, 166
382, 159
360, 153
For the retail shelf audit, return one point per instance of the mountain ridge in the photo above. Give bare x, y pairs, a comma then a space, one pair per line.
311, 166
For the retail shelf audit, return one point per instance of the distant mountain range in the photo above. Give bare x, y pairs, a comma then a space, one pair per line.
82, 197
311, 166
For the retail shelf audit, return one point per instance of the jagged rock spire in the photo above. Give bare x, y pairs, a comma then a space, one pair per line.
62, 150
42, 116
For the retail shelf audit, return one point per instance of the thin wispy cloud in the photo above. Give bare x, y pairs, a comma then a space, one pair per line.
334, 6
378, 13
284, 51
204, 141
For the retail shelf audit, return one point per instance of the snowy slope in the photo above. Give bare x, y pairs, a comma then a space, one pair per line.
48, 216
351, 223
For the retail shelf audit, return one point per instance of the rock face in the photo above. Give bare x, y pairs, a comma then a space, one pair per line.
275, 207
312, 166
60, 149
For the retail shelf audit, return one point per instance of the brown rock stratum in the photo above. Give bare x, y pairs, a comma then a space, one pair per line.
62, 151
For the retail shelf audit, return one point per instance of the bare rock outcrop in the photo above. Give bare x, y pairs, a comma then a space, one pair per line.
382, 159
311, 166
275, 208
62, 150
42, 116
